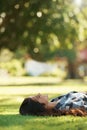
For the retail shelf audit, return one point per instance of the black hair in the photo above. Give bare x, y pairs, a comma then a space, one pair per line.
31, 107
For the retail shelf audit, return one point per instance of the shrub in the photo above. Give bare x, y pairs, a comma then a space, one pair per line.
14, 67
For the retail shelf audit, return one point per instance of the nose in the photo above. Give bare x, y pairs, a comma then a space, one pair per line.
39, 94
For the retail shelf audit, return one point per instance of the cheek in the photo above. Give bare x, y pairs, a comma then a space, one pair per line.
46, 98
43, 101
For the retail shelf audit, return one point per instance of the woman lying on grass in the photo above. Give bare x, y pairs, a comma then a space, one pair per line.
73, 103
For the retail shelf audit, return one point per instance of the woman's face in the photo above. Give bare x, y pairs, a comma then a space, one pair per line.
40, 98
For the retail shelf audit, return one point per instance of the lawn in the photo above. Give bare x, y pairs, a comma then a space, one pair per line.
14, 89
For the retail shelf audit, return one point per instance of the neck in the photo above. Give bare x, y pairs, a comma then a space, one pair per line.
51, 105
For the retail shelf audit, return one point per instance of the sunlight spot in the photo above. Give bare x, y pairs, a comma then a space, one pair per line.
2, 29
39, 14
3, 14
76, 11
45, 11
53, 40
25, 34
26, 4
36, 50
54, 0
70, 14
78, 2
55, 15
17, 6
38, 40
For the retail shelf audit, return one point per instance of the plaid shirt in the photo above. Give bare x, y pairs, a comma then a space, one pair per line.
71, 100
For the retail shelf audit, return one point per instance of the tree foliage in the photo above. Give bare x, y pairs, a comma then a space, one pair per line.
43, 28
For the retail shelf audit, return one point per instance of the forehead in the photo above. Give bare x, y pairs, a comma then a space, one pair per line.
34, 97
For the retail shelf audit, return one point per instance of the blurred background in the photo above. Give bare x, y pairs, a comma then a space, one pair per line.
50, 31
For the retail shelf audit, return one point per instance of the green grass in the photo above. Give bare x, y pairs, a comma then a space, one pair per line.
14, 90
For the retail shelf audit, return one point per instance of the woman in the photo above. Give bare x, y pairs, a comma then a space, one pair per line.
73, 103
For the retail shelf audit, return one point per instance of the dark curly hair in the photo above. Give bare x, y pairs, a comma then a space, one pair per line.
31, 107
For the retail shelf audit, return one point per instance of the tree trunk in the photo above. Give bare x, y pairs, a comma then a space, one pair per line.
72, 70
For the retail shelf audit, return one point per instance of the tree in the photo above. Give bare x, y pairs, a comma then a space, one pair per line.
42, 27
